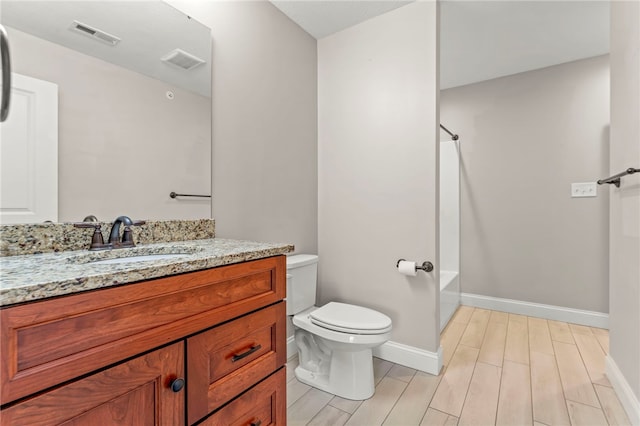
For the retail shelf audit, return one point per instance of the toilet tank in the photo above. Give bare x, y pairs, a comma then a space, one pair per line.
302, 278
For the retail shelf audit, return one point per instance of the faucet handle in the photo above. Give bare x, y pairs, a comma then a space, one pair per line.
95, 225
97, 240
127, 235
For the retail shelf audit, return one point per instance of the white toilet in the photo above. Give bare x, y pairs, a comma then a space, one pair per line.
334, 341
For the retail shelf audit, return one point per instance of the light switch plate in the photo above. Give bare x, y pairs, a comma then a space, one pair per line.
584, 189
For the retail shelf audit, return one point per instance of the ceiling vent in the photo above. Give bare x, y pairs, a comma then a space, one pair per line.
182, 59
94, 33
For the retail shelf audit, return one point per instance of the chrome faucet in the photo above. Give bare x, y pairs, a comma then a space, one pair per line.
97, 242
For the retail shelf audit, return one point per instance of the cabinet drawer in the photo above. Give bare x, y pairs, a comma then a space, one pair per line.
136, 392
262, 405
48, 342
227, 359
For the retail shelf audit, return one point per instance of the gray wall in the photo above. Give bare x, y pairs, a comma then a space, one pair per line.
524, 139
624, 320
377, 115
264, 123
122, 145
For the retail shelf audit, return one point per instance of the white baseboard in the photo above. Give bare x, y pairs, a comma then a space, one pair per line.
557, 313
412, 357
409, 356
623, 390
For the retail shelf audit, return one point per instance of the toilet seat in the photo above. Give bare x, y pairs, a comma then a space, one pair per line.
352, 319
303, 321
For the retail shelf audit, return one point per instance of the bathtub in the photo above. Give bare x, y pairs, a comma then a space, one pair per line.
449, 296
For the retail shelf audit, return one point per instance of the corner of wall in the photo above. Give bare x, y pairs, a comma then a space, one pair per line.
624, 392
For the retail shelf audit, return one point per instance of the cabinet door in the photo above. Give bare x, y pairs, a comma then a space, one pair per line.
263, 405
137, 392
228, 359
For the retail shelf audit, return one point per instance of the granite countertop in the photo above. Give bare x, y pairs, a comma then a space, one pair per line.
39, 276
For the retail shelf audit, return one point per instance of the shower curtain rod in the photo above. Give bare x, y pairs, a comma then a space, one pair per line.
454, 137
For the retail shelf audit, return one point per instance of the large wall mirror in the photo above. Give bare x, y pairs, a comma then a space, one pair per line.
132, 81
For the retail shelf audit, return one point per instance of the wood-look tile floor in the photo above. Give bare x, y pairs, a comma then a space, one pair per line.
499, 369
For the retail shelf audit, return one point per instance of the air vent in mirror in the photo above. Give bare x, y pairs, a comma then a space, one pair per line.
182, 59
94, 33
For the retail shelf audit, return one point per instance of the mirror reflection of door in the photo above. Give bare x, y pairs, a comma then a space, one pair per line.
29, 153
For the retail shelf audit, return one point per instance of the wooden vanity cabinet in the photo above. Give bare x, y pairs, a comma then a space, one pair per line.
119, 353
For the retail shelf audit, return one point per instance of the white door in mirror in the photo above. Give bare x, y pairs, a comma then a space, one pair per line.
29, 153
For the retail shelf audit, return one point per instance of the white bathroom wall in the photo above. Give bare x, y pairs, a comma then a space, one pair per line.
264, 122
377, 167
623, 367
449, 205
525, 139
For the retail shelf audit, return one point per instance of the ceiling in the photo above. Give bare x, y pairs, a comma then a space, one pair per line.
321, 18
481, 40
148, 30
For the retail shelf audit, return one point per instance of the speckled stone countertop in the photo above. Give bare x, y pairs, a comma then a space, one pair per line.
35, 238
38, 276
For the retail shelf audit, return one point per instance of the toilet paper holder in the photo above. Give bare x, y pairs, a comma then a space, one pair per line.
426, 265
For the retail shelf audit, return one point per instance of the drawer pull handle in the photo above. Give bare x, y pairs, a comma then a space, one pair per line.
256, 423
238, 357
177, 385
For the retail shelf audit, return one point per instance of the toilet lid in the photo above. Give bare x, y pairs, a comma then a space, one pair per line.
350, 319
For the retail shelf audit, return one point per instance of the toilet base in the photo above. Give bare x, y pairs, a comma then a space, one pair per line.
350, 375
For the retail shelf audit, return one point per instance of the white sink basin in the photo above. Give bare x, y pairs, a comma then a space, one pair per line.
140, 258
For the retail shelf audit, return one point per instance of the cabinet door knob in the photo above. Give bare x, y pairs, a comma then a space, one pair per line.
177, 385
256, 423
